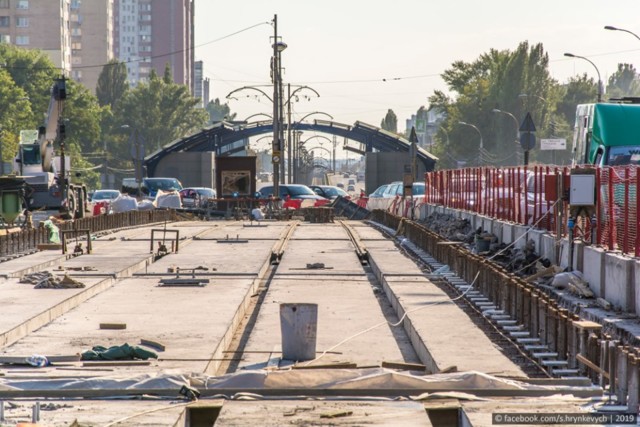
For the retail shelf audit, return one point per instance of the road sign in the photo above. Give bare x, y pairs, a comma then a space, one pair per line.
527, 140
553, 144
275, 158
527, 124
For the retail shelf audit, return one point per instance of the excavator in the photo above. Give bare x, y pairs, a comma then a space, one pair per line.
47, 176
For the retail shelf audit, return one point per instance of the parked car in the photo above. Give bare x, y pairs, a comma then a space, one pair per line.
295, 192
329, 191
197, 197
351, 187
340, 185
379, 192
150, 186
346, 175
104, 195
351, 182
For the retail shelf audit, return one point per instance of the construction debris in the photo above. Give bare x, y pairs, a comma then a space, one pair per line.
46, 280
118, 352
450, 227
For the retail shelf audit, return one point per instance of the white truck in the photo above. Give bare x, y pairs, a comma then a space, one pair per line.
47, 175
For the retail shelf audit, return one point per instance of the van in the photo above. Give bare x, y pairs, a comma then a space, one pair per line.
150, 186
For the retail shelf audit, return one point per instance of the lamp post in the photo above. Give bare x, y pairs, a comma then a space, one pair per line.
496, 110
481, 143
609, 27
296, 141
571, 55
137, 155
276, 71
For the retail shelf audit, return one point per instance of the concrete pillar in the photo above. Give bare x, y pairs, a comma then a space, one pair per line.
593, 269
619, 281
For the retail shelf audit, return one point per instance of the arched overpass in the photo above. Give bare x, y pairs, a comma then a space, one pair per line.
227, 138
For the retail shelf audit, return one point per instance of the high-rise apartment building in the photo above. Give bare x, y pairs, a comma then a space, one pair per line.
149, 34
91, 27
38, 24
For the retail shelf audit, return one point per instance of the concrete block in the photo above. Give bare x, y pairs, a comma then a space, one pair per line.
578, 255
636, 286
593, 269
536, 236
564, 253
548, 247
486, 223
469, 216
507, 233
618, 279
520, 235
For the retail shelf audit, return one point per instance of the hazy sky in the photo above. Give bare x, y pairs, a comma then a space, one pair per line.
345, 49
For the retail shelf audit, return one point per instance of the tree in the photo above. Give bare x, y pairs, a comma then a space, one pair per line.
494, 81
83, 116
219, 112
15, 115
112, 83
390, 122
624, 82
160, 111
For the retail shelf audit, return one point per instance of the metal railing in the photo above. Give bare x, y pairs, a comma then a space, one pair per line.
27, 240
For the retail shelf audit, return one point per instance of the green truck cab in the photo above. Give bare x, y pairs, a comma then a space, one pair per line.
607, 134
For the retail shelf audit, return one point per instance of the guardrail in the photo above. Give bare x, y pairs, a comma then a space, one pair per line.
27, 240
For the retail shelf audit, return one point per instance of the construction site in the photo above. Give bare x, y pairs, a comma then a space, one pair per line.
155, 319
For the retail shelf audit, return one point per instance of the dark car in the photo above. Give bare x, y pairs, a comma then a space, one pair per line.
102, 195
329, 191
294, 192
197, 197
150, 186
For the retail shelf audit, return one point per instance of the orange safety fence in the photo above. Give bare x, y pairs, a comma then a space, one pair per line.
528, 196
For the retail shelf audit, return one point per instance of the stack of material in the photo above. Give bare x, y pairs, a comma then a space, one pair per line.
46, 280
450, 227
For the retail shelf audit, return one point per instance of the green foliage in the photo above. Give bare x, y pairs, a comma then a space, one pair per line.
15, 115
112, 83
219, 112
624, 82
514, 82
160, 110
390, 122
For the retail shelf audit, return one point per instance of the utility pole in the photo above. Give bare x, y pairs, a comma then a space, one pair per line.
335, 141
276, 157
289, 147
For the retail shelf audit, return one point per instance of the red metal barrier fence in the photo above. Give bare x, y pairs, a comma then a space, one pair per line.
529, 196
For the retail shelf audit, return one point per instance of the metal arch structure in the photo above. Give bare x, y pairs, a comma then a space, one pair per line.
226, 138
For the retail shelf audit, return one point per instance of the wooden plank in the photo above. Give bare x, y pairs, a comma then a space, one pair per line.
404, 366
586, 324
117, 363
22, 360
336, 365
592, 365
113, 326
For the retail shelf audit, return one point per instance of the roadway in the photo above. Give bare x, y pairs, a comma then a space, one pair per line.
228, 331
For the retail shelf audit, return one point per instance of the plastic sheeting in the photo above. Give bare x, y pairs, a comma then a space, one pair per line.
168, 199
124, 203
327, 379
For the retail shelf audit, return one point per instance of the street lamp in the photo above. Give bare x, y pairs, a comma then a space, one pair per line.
481, 144
571, 55
296, 138
256, 115
609, 27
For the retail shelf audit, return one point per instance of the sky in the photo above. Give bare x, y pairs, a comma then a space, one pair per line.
367, 56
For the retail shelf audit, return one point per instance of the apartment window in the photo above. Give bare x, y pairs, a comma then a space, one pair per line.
75, 4
22, 40
4, 21
5, 38
76, 46
22, 22
76, 31
22, 4
4, 4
